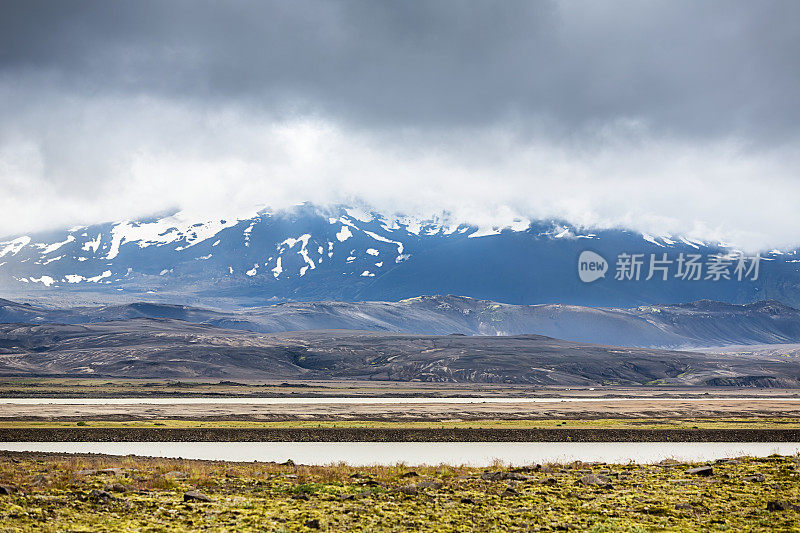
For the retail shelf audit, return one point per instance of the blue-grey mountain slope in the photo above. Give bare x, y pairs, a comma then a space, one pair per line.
311, 254
164, 348
698, 324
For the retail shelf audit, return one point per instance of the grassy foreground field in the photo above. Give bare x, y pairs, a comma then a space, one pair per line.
101, 493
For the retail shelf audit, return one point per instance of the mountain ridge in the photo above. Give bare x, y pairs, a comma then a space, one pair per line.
167, 348
314, 254
692, 325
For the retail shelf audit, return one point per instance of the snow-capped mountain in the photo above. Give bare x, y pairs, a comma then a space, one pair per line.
349, 254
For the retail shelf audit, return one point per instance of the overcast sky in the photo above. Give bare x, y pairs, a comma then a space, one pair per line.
664, 116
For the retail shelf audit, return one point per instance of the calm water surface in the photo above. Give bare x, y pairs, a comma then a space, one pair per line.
417, 453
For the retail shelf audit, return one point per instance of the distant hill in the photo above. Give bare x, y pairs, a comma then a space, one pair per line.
166, 348
698, 324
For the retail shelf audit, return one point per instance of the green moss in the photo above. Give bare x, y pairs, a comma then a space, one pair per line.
271, 497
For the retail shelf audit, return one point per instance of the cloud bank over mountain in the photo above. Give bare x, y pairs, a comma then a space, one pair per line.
665, 117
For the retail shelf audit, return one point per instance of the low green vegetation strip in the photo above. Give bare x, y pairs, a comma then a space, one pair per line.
40, 492
354, 434
606, 423
145, 388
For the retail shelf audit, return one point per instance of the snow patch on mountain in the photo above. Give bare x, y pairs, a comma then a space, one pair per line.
13, 247
559, 231
344, 234
359, 214
278, 270
76, 278
168, 230
92, 245
303, 251
650, 238
484, 232
381, 238
48, 249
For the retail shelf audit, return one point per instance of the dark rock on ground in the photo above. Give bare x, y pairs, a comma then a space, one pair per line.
408, 489
105, 471
497, 476
595, 479
701, 471
525, 469
100, 496
196, 496
429, 484
782, 506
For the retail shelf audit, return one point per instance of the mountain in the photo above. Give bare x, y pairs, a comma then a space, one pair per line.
693, 325
313, 254
165, 348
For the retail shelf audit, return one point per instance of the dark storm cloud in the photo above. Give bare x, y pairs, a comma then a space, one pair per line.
671, 116
683, 68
